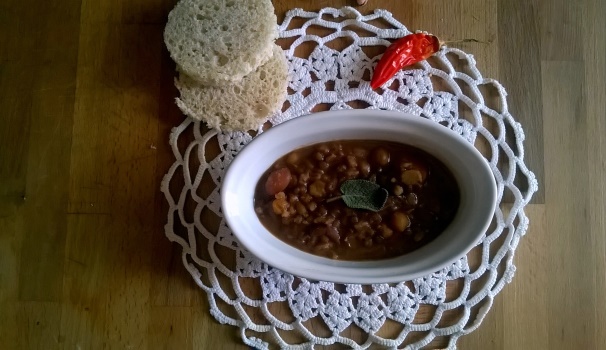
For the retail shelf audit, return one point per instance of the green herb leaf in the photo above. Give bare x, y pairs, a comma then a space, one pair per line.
363, 194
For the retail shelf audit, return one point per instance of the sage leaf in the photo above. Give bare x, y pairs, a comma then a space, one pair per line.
363, 194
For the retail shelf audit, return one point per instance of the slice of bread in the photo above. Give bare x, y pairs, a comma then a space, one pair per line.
217, 42
239, 106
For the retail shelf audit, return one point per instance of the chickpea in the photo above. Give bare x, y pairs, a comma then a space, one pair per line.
312, 206
398, 190
386, 232
412, 177
399, 221
317, 189
280, 205
292, 158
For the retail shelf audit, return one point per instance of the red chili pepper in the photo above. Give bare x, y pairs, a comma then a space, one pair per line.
403, 52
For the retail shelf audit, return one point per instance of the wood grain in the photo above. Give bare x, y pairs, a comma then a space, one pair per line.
86, 105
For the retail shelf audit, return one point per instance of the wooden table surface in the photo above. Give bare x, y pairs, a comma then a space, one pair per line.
86, 105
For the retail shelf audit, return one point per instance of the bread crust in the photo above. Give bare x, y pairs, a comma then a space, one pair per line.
244, 105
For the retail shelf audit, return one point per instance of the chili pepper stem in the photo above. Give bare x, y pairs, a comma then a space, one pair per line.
442, 43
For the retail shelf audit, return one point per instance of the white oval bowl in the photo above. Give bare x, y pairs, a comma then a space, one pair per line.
470, 169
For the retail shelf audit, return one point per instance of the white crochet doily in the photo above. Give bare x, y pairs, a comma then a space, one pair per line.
273, 308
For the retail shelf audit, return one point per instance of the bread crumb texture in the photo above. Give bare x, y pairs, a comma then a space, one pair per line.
217, 42
244, 105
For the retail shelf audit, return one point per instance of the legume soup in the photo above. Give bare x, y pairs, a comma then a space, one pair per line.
297, 199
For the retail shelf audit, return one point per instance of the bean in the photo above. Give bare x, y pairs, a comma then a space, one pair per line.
323, 246
332, 185
316, 174
293, 180
375, 218
322, 211
363, 227
364, 167
333, 234
352, 173
412, 199
306, 198
380, 156
319, 156
277, 181
418, 236
303, 178
360, 152
312, 206
330, 219
301, 209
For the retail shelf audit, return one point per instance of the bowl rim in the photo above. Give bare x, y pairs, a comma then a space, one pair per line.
339, 271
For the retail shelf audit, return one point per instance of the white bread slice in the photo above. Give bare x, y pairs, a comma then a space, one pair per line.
217, 42
240, 106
